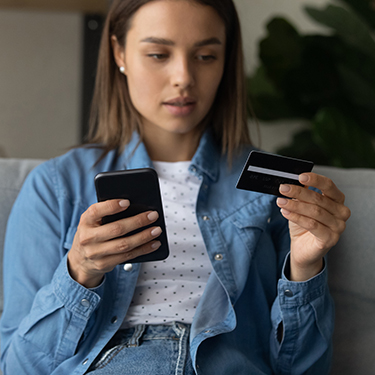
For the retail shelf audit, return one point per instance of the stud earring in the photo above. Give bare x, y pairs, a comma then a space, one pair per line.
122, 69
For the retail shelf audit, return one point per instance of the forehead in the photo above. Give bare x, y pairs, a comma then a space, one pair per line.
183, 20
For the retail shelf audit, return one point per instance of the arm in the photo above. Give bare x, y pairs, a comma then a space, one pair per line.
303, 312
49, 309
41, 324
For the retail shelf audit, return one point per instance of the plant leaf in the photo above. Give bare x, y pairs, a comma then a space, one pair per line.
339, 137
280, 50
361, 94
347, 25
365, 8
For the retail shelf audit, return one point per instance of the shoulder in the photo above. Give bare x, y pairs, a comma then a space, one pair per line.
70, 175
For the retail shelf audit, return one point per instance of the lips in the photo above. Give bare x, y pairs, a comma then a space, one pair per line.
180, 102
181, 106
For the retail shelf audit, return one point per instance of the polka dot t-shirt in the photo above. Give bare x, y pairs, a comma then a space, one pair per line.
170, 290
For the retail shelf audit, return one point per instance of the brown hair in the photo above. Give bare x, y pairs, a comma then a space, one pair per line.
113, 117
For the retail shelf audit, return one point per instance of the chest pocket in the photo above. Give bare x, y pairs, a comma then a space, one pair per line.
77, 210
250, 225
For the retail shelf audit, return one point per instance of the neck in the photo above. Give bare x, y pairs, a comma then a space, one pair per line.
170, 147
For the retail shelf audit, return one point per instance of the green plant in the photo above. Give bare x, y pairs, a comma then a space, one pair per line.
328, 79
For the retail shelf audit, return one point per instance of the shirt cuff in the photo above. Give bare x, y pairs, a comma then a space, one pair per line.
293, 293
76, 298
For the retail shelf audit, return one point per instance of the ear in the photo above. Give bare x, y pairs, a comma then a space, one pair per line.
118, 53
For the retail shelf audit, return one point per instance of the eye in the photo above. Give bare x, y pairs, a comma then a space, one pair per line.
206, 57
158, 56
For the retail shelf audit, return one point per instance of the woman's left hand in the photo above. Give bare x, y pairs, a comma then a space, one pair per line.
316, 222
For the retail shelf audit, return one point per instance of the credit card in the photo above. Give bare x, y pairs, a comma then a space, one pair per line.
265, 172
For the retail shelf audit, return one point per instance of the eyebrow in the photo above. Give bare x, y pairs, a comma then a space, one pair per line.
168, 42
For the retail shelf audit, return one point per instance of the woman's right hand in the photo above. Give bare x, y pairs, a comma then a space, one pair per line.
98, 249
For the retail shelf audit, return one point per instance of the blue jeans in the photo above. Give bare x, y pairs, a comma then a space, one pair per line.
153, 349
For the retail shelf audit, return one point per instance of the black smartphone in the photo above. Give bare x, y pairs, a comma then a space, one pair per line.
141, 188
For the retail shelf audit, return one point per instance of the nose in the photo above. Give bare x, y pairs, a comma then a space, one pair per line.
182, 73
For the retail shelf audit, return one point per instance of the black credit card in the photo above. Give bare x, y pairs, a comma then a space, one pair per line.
265, 172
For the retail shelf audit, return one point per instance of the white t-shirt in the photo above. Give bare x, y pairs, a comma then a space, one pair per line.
170, 290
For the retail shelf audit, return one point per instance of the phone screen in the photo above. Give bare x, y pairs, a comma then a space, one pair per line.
141, 188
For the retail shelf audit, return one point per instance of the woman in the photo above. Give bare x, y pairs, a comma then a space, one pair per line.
241, 292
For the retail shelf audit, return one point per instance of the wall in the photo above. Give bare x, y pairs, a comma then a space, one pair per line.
40, 77
39, 82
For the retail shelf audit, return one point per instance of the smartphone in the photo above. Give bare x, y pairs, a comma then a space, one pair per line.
141, 188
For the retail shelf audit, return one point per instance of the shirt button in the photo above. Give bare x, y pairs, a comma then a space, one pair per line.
218, 256
205, 218
128, 267
288, 293
85, 361
114, 320
269, 220
85, 302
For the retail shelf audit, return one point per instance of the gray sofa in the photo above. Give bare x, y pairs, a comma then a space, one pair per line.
351, 262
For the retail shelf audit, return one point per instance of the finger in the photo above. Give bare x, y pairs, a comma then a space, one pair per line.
94, 214
299, 193
106, 263
326, 237
121, 245
130, 243
314, 212
324, 184
119, 228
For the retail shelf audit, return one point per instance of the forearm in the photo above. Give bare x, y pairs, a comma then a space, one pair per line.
52, 329
304, 315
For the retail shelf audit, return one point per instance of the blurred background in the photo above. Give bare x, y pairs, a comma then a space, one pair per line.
306, 92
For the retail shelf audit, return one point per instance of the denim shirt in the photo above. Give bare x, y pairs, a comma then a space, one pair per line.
250, 320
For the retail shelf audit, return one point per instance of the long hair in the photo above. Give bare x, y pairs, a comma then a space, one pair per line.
113, 118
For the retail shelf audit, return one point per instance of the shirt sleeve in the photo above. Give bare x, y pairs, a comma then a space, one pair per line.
302, 319
45, 311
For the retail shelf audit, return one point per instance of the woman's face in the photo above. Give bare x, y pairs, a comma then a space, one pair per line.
174, 60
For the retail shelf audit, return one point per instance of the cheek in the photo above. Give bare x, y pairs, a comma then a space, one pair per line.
143, 88
211, 84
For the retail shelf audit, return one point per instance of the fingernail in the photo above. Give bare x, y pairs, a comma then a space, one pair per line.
156, 245
152, 216
156, 232
124, 203
303, 178
284, 188
285, 212
282, 201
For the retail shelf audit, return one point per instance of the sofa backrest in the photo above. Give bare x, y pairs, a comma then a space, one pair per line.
12, 175
351, 274
351, 261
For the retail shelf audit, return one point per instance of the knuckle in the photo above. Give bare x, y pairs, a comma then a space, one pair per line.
92, 211
124, 245
115, 229
329, 184
84, 238
317, 211
317, 198
311, 224
341, 226
139, 221
346, 213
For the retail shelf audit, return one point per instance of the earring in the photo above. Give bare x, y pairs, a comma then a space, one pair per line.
122, 69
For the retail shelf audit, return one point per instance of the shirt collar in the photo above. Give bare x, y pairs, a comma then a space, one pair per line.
206, 160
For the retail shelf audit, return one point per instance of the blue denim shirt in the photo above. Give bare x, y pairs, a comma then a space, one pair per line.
250, 320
